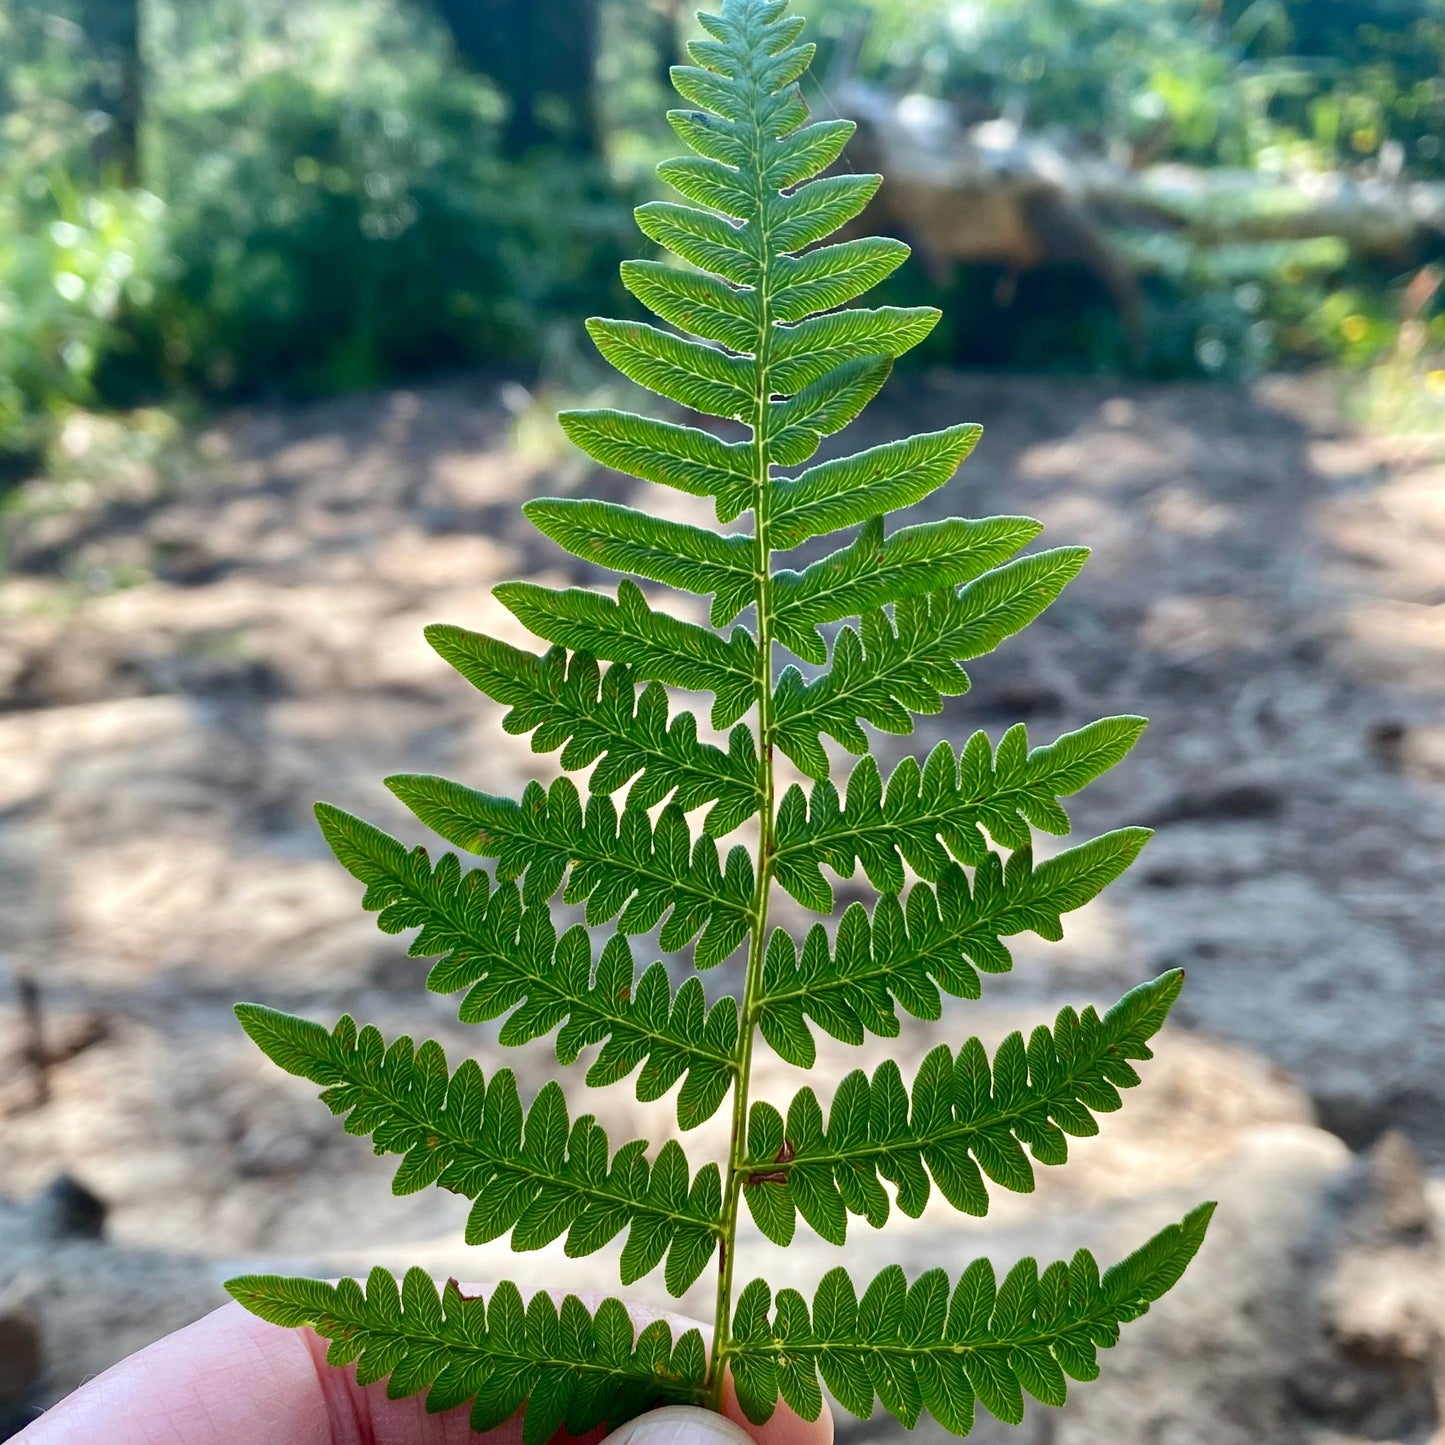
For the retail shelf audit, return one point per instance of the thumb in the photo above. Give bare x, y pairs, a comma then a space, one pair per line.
679, 1425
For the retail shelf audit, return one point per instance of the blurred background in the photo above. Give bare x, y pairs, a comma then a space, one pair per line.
289, 292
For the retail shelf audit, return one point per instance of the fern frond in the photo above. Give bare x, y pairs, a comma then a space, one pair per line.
687, 372
893, 667
798, 424
572, 1369
691, 559
622, 865
684, 457
915, 1348
872, 571
828, 277
938, 812
966, 1119
532, 1172
659, 648
768, 337
704, 305
602, 717
508, 958
938, 940
709, 241
856, 489
815, 211
806, 352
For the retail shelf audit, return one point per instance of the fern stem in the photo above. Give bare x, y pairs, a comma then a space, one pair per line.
767, 847
753, 983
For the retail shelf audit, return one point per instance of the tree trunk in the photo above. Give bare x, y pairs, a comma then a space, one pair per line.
669, 41
112, 34
543, 55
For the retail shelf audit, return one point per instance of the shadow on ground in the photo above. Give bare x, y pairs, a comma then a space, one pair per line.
1267, 585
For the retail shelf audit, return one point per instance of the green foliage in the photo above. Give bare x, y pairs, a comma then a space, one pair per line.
889, 668
571, 1368
72, 267
1248, 89
1327, 84
966, 1116
339, 208
505, 954
952, 798
939, 939
324, 205
620, 864
765, 351
916, 1348
528, 1171
79, 252
604, 718
323, 202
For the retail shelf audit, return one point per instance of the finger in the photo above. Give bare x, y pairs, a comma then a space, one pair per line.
232, 1379
228, 1379
689, 1425
680, 1425
784, 1427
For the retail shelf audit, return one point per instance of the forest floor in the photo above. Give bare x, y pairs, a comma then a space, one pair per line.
1267, 585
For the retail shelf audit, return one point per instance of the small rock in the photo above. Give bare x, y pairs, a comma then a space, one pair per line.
1417, 751
1015, 698
1387, 741
66, 1209
1374, 1365
19, 1357
1225, 801
273, 1149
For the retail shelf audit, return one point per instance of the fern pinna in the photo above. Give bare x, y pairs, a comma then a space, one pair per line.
764, 337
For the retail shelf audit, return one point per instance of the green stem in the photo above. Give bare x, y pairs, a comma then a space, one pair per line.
753, 984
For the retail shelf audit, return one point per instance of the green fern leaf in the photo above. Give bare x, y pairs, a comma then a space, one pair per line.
710, 242
797, 425
766, 335
965, 1120
621, 864
908, 664
658, 647
685, 557
509, 959
532, 1172
572, 1369
808, 351
931, 815
856, 489
693, 302
687, 372
914, 1347
832, 276
938, 940
872, 571
683, 457
603, 718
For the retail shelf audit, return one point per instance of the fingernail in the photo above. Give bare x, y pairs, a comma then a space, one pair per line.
679, 1425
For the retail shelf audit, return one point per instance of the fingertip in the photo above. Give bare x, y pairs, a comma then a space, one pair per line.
692, 1425
679, 1425
784, 1426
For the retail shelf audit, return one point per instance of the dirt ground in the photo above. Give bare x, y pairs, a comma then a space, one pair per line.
1267, 585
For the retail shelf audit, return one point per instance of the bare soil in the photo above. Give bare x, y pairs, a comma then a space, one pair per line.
1267, 585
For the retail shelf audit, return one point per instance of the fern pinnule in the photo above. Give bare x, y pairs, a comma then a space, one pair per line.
764, 335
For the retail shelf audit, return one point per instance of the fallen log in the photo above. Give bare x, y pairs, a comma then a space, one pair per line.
998, 194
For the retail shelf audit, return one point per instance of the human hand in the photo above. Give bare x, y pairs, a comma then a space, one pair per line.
231, 1379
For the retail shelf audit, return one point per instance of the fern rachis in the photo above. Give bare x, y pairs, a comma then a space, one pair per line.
945, 841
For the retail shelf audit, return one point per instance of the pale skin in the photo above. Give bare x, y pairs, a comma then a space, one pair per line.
232, 1379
